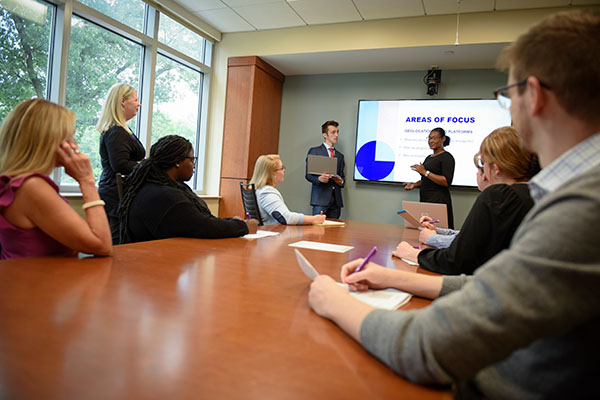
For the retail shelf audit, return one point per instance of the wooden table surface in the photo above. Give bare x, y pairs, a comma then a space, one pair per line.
191, 318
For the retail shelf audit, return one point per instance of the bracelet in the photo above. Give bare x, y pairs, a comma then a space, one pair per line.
94, 203
427, 173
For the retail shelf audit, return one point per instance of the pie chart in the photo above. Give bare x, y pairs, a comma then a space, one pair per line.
368, 166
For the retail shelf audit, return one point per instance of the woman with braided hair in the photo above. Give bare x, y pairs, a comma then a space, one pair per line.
157, 204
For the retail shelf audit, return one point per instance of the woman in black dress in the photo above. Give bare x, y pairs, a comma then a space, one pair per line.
436, 172
120, 149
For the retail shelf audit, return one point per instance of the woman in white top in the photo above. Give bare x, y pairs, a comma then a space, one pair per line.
269, 171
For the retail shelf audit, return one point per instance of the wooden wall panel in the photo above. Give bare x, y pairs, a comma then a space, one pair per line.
238, 113
252, 118
266, 115
230, 204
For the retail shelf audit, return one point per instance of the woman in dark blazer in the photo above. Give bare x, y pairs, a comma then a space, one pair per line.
120, 149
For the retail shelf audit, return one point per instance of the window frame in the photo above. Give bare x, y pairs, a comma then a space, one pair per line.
151, 47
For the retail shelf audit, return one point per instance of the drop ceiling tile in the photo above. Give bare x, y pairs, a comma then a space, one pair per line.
225, 20
243, 3
584, 2
439, 7
270, 16
379, 9
522, 4
201, 5
325, 11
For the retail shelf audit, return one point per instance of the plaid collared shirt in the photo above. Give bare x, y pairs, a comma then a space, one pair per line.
568, 166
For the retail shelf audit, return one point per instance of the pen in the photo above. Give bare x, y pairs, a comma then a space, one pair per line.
366, 260
433, 221
416, 247
248, 216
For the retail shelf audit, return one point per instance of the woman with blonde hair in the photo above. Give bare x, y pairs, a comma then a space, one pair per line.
269, 171
35, 220
120, 149
505, 168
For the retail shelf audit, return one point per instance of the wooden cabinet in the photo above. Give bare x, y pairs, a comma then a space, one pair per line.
252, 116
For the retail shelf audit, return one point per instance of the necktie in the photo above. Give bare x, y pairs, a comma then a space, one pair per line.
331, 151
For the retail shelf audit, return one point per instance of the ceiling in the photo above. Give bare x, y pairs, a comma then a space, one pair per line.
251, 15
230, 16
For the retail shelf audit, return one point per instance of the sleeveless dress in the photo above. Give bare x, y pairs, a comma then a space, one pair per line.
24, 242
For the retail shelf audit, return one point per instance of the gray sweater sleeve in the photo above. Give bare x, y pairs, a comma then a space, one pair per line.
544, 286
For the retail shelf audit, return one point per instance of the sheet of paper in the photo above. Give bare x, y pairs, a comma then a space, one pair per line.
409, 262
307, 244
332, 223
260, 234
306, 266
387, 299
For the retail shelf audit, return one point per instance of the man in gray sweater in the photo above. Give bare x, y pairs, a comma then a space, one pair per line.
526, 325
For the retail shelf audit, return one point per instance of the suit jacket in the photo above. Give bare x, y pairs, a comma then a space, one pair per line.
321, 192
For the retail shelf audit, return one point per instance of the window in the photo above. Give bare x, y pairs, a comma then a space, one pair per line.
25, 28
105, 42
128, 12
176, 101
177, 36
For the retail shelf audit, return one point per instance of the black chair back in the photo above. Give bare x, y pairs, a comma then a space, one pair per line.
120, 185
250, 202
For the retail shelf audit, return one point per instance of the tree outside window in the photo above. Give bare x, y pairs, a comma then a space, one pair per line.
24, 49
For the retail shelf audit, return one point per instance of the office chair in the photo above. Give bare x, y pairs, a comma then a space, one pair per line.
250, 202
120, 186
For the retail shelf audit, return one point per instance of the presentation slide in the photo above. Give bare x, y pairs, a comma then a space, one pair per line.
392, 135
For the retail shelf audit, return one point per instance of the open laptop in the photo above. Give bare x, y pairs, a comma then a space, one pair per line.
322, 165
434, 210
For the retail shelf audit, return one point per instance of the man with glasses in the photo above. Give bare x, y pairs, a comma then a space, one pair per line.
326, 193
526, 324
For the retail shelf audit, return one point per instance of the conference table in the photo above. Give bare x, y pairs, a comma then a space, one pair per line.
192, 318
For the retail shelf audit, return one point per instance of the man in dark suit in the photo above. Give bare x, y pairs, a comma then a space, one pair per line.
326, 194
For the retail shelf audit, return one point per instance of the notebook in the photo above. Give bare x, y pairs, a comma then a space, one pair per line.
322, 165
387, 299
433, 210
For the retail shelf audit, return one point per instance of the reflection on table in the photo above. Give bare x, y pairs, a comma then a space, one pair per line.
190, 318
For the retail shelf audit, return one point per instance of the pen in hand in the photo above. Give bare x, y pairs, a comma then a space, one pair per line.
248, 216
366, 260
434, 221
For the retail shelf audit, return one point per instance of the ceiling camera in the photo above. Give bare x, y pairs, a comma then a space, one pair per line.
432, 79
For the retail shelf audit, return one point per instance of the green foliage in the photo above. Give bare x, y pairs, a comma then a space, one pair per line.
98, 58
23, 59
129, 12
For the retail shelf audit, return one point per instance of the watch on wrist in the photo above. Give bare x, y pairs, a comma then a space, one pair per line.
427, 173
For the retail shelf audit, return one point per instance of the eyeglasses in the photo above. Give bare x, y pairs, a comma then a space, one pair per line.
478, 162
503, 96
281, 169
194, 159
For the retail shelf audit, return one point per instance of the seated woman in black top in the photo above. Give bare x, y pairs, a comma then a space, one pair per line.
496, 214
157, 204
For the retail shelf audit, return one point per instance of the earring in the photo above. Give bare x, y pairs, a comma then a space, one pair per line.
177, 165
